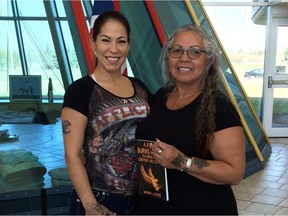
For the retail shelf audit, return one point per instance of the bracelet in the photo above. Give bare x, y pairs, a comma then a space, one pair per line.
188, 164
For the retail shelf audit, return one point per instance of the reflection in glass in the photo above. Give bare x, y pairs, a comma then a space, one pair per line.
6, 8
282, 51
24, 8
41, 55
9, 56
231, 78
280, 111
74, 64
60, 8
38, 54
280, 97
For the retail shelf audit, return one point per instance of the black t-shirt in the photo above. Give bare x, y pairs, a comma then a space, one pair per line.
109, 142
187, 194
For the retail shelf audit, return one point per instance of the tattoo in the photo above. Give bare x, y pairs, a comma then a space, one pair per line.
96, 206
200, 163
178, 160
66, 127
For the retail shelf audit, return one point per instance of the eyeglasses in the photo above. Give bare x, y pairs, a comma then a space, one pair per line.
192, 53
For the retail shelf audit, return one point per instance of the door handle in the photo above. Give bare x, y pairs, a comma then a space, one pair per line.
276, 82
270, 81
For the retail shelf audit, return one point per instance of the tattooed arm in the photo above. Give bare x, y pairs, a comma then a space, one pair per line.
73, 128
227, 167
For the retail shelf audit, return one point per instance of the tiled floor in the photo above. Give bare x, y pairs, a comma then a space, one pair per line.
263, 193
43, 141
266, 192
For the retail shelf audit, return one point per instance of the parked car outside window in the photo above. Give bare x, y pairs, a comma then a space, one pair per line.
280, 69
256, 73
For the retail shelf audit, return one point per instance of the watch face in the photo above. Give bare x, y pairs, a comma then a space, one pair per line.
188, 164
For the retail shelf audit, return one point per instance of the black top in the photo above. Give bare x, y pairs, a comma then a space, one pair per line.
109, 142
187, 194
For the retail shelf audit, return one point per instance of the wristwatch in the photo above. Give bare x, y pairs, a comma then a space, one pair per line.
188, 164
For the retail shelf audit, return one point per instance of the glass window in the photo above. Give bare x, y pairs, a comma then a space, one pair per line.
280, 93
9, 56
244, 43
39, 51
74, 64
5, 8
282, 51
24, 8
60, 8
41, 56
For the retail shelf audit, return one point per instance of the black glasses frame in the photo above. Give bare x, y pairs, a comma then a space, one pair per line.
192, 52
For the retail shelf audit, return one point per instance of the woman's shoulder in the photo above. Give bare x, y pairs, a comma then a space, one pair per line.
82, 81
136, 80
159, 96
222, 98
227, 113
162, 92
81, 84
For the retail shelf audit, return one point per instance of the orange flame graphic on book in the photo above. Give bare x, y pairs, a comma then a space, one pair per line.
149, 177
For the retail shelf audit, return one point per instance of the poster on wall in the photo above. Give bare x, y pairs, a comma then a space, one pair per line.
25, 88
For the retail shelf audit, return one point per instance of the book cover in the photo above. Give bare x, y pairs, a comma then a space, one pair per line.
152, 177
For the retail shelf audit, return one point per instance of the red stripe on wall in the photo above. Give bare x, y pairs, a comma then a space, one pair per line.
156, 21
84, 34
116, 5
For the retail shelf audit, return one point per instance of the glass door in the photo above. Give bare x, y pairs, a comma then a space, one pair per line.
275, 105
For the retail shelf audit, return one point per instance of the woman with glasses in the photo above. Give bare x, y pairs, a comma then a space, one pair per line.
198, 133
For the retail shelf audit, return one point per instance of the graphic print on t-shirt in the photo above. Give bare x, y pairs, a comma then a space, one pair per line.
111, 140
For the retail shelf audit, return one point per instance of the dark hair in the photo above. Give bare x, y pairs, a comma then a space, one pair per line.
110, 15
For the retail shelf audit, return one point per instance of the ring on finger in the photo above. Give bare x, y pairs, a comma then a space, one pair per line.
159, 151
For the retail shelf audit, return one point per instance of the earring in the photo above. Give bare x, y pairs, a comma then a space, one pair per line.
95, 53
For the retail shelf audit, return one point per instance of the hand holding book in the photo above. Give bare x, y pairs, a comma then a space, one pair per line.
152, 176
170, 157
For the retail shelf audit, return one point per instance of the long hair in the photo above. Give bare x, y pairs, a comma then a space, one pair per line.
210, 85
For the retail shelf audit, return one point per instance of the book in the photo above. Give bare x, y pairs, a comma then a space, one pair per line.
152, 177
